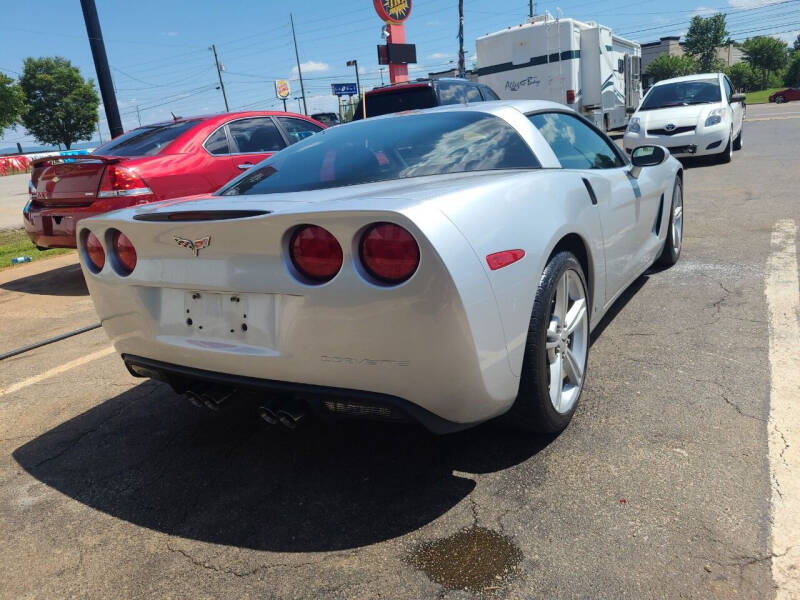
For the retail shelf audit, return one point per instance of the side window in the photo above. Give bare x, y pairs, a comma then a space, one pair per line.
576, 144
297, 129
488, 94
728, 88
255, 135
217, 142
472, 93
451, 92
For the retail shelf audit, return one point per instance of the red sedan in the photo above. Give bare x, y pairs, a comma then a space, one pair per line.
786, 95
193, 155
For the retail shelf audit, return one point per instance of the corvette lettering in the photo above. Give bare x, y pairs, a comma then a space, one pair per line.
346, 360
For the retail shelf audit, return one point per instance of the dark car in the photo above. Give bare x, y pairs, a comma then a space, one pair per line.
786, 95
326, 118
423, 93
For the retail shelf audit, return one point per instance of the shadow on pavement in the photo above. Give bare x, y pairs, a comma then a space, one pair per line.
64, 281
147, 456
619, 304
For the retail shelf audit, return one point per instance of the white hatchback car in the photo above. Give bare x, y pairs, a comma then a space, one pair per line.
697, 115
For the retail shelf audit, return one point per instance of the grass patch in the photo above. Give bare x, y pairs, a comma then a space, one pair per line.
15, 242
762, 96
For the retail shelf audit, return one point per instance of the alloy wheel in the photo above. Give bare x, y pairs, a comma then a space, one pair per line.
567, 341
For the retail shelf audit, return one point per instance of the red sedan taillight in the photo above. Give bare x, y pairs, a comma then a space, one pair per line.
389, 253
94, 251
124, 251
122, 182
315, 253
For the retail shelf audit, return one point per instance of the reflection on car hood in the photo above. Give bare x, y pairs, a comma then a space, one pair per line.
680, 116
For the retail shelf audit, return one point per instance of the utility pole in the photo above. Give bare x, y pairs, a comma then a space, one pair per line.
530, 8
138, 116
299, 70
381, 72
461, 67
101, 66
354, 63
219, 74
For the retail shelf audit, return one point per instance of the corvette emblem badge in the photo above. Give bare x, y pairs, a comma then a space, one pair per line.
193, 245
669, 126
56, 179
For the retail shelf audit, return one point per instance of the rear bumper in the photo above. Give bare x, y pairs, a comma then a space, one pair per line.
237, 310
325, 402
54, 227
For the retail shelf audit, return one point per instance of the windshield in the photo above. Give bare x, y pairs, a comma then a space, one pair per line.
403, 98
682, 93
145, 141
409, 145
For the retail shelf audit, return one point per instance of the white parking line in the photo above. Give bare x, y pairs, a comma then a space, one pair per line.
15, 387
783, 305
775, 118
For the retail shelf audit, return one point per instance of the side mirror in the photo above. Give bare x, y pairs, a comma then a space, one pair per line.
630, 110
647, 156
738, 98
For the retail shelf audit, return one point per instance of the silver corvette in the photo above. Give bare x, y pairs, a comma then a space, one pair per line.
443, 266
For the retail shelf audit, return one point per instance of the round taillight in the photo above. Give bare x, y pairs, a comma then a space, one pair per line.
315, 253
94, 251
389, 253
125, 252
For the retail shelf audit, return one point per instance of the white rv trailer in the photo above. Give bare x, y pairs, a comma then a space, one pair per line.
582, 65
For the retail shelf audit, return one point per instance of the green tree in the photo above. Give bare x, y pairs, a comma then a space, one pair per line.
765, 53
705, 35
792, 77
743, 77
797, 43
12, 102
667, 66
61, 105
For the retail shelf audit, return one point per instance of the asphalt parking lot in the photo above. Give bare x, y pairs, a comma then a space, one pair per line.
661, 487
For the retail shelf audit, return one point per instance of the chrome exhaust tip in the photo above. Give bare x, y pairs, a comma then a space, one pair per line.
290, 419
268, 415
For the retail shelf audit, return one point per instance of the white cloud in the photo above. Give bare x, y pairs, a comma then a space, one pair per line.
440, 55
311, 66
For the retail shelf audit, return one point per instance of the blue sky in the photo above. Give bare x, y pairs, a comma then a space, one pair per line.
158, 49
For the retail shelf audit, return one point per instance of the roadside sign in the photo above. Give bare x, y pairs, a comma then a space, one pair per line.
282, 89
344, 89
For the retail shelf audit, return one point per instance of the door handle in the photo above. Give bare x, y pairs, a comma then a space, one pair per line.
244, 166
590, 189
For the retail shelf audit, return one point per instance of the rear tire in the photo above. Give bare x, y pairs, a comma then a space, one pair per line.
556, 351
674, 240
779, 99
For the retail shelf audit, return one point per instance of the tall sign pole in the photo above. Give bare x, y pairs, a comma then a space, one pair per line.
101, 67
398, 54
299, 70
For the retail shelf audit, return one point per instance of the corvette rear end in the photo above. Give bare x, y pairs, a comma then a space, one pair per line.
350, 311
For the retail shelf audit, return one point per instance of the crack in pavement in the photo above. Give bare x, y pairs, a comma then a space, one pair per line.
228, 571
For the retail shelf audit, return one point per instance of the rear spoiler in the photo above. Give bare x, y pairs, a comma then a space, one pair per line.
57, 159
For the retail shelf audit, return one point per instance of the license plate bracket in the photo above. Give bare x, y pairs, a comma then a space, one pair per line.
216, 315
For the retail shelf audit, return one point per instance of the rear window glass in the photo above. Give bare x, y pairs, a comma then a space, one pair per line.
398, 147
384, 103
145, 141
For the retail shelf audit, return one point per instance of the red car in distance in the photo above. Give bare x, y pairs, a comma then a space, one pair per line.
786, 95
182, 157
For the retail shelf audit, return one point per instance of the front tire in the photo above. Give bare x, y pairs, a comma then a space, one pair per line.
556, 351
727, 154
737, 143
779, 99
672, 244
